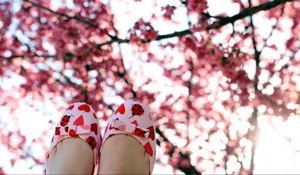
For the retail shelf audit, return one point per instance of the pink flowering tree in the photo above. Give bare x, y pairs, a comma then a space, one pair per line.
196, 69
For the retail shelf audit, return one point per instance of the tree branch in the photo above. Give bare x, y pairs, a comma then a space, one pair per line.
256, 52
285, 66
271, 32
248, 12
187, 170
86, 22
252, 133
124, 74
253, 119
27, 56
223, 21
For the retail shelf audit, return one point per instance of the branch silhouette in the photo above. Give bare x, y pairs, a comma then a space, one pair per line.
222, 21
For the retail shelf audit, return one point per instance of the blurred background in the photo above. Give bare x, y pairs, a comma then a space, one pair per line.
222, 78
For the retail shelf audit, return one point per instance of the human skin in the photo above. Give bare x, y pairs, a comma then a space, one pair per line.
121, 154
70, 156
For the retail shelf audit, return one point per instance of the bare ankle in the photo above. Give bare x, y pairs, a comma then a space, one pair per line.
123, 154
71, 155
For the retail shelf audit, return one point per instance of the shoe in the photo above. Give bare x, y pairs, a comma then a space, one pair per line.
79, 121
134, 118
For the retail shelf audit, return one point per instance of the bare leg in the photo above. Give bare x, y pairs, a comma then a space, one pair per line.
76, 142
70, 156
123, 154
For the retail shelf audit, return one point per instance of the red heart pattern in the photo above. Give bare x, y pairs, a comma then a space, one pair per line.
72, 133
136, 120
135, 123
84, 107
79, 121
151, 134
121, 109
77, 118
94, 128
82, 114
57, 131
148, 148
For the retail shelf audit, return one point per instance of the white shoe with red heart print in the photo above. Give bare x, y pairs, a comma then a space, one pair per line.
79, 121
134, 118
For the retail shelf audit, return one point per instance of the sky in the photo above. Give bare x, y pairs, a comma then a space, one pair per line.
278, 147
